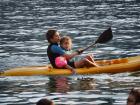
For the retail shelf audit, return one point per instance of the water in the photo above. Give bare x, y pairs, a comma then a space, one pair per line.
23, 25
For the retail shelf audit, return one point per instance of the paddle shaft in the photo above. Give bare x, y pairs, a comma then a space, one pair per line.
89, 46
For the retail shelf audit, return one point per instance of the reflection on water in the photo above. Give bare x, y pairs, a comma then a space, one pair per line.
23, 24
75, 90
85, 84
63, 84
59, 84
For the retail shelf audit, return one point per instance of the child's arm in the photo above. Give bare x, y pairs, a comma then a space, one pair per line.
71, 68
70, 56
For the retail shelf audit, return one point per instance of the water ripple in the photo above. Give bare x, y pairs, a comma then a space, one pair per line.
23, 25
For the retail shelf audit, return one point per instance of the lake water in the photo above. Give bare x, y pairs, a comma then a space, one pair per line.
23, 24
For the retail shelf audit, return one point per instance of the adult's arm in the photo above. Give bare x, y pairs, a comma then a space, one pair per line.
58, 50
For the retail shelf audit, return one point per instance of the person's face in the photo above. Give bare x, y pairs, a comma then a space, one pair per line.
67, 44
131, 100
56, 38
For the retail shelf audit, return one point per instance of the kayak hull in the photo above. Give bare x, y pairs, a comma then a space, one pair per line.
129, 64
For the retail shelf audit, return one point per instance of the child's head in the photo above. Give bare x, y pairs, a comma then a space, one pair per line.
53, 36
134, 97
44, 101
66, 42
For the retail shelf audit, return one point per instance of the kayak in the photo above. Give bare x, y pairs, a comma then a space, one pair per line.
120, 65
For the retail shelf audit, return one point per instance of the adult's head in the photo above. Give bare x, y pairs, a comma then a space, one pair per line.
53, 36
134, 97
44, 101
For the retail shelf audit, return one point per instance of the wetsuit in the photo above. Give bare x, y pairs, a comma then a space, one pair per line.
54, 51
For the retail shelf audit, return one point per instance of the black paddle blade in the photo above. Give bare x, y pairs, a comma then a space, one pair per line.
105, 36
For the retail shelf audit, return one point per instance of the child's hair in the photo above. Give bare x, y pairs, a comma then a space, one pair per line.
50, 33
44, 101
65, 38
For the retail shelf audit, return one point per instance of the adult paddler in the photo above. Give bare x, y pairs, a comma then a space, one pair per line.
54, 51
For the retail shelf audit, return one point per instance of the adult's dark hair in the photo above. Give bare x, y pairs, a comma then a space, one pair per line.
44, 101
50, 34
136, 94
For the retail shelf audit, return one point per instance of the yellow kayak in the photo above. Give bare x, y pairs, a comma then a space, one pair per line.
128, 64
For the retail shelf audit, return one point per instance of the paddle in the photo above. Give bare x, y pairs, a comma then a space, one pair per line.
103, 38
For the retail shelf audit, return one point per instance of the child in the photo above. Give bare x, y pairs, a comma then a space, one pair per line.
61, 62
66, 45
